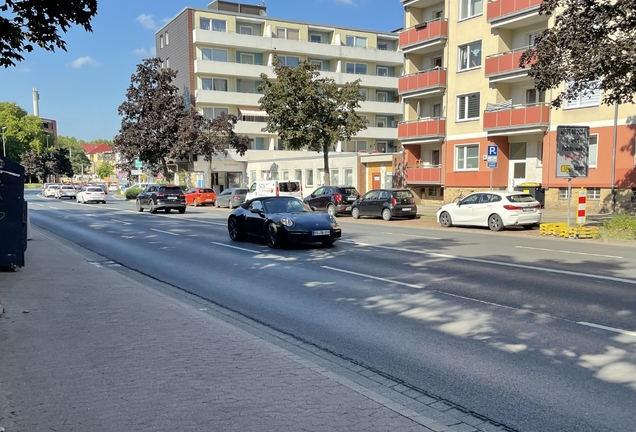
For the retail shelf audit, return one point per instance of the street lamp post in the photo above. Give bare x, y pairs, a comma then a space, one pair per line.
4, 146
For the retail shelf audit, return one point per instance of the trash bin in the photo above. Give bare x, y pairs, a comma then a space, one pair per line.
13, 215
533, 189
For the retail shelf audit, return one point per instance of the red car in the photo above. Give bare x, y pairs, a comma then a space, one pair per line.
200, 196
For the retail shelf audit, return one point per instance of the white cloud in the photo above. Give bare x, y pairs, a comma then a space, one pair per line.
146, 52
25, 69
147, 21
87, 60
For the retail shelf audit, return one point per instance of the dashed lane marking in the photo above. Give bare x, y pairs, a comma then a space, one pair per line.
569, 252
236, 247
165, 232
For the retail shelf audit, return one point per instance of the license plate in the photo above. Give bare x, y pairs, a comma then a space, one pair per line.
321, 232
406, 209
347, 208
528, 209
172, 198
351, 198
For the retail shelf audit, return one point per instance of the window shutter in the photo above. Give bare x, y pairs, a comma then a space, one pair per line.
473, 105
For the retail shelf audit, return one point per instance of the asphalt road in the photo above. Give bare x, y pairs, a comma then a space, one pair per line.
534, 333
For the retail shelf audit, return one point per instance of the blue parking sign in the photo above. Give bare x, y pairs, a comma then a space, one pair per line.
493, 150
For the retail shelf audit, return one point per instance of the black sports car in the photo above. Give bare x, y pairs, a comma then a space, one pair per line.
281, 220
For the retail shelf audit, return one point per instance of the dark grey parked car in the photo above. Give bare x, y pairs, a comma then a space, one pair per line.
386, 203
231, 198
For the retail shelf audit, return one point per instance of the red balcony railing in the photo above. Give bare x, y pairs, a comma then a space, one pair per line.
424, 175
499, 8
423, 80
519, 116
502, 62
423, 32
422, 128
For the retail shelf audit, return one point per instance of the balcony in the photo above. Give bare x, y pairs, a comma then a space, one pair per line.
425, 83
422, 130
532, 118
378, 133
504, 66
426, 175
420, 4
425, 37
227, 98
512, 14
388, 108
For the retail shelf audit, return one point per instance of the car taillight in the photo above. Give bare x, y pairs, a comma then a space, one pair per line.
277, 192
301, 191
538, 206
393, 201
161, 195
181, 195
236, 197
511, 207
337, 197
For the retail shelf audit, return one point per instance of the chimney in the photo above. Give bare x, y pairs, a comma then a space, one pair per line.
36, 104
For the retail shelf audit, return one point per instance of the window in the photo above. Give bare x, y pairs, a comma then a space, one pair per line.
160, 41
167, 63
356, 68
534, 96
335, 177
470, 8
437, 62
356, 41
287, 33
467, 157
383, 46
289, 61
438, 14
591, 99
388, 180
246, 30
468, 107
218, 25
285, 174
252, 176
383, 71
382, 96
365, 93
213, 54
309, 175
317, 63
213, 113
166, 38
381, 122
360, 146
469, 56
437, 110
321, 176
532, 38
219, 84
594, 194
432, 192
348, 176
298, 175
316, 38
564, 193
540, 153
592, 156
247, 58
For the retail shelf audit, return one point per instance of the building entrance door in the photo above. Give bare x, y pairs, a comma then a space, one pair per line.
517, 167
376, 181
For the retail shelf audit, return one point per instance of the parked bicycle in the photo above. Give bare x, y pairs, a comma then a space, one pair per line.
461, 195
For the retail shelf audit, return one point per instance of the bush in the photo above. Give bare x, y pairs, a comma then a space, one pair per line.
132, 193
622, 226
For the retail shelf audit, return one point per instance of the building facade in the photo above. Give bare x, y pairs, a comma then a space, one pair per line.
463, 91
97, 154
220, 52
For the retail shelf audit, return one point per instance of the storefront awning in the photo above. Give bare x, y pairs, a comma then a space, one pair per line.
253, 112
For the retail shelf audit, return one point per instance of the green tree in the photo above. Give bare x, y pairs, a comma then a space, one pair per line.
158, 129
310, 111
25, 24
591, 45
105, 170
78, 158
23, 132
33, 166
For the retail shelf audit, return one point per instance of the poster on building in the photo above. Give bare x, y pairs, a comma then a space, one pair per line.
573, 144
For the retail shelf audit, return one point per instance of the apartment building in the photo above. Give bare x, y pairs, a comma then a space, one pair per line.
221, 51
463, 91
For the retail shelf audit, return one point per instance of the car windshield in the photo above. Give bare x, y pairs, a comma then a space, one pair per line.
403, 194
521, 198
284, 206
349, 191
288, 187
95, 189
171, 189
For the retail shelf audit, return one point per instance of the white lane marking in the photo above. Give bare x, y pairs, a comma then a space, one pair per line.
236, 247
412, 235
54, 207
372, 277
204, 222
121, 222
612, 329
569, 252
165, 232
503, 264
355, 242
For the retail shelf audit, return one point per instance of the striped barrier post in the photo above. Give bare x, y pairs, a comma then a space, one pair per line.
581, 209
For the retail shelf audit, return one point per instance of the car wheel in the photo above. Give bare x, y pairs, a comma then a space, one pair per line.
103, 202
386, 214
138, 206
195, 203
495, 223
153, 210
182, 210
331, 209
272, 236
355, 213
445, 220
168, 210
234, 230
216, 204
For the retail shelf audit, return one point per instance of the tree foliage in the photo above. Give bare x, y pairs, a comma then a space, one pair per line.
24, 132
78, 158
592, 44
42, 165
310, 111
25, 24
158, 127
105, 170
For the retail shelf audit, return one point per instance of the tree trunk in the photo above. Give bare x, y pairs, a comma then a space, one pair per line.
325, 154
164, 169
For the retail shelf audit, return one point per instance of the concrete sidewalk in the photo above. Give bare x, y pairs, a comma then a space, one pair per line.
86, 345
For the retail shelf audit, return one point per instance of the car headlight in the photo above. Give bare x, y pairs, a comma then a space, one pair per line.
287, 221
333, 220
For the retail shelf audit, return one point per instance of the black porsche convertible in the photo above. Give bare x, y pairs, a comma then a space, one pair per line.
280, 221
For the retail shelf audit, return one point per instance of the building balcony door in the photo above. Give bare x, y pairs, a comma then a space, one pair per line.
517, 167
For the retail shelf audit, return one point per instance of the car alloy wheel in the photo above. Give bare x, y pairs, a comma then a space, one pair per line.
153, 210
271, 234
331, 209
195, 203
138, 206
445, 220
355, 213
234, 230
386, 214
495, 223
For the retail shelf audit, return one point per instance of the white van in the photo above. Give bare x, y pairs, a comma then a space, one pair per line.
264, 188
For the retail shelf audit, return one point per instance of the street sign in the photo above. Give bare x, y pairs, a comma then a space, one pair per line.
159, 176
138, 163
493, 150
492, 164
573, 144
136, 172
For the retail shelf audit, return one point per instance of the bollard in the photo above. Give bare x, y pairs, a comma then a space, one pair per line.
581, 209
29, 233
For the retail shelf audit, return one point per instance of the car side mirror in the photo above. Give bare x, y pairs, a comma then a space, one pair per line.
258, 212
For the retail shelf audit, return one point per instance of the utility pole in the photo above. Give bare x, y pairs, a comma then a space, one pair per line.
4, 145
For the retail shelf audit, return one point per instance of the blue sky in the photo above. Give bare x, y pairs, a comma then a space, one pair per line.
82, 87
